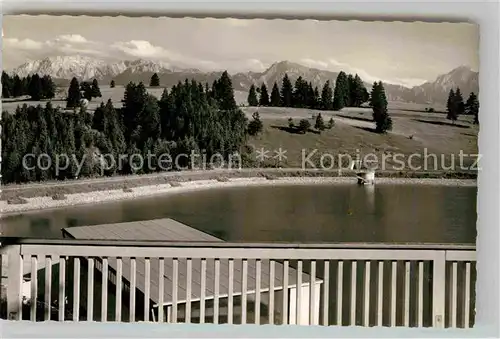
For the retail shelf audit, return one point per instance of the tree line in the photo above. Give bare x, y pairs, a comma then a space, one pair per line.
455, 105
349, 92
191, 116
36, 86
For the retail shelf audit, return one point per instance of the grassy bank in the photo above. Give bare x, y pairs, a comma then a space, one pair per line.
15, 195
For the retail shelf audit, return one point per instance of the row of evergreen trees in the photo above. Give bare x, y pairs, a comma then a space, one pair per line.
455, 105
35, 86
189, 117
349, 92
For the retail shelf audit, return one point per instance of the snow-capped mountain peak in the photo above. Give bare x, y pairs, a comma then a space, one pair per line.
84, 68
458, 75
141, 66
63, 67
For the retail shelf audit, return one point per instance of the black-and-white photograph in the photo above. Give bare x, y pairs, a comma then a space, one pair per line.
239, 171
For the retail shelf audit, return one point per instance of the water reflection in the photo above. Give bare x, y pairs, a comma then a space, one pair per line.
370, 197
316, 213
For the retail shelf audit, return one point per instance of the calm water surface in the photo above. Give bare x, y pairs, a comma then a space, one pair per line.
313, 213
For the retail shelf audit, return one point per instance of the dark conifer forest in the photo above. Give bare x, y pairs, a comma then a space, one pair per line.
191, 117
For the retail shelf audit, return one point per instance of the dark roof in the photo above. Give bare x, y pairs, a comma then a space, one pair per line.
171, 230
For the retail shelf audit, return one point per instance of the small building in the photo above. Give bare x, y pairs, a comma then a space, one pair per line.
169, 230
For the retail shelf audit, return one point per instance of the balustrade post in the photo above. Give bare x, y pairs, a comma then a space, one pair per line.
439, 289
14, 282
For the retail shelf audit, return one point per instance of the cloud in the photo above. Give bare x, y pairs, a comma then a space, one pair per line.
145, 50
255, 65
24, 44
314, 63
206, 64
141, 49
337, 66
69, 43
72, 38
364, 75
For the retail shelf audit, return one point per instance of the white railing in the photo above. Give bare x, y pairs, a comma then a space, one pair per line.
348, 284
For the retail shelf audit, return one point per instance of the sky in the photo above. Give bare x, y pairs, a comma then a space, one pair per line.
394, 52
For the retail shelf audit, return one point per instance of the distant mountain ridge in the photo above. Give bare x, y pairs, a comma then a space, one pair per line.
63, 68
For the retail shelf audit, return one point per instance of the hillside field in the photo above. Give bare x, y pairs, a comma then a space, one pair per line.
413, 133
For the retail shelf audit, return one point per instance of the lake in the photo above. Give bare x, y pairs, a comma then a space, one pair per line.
292, 213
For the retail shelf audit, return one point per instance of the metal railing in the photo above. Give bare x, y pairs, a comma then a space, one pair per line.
346, 284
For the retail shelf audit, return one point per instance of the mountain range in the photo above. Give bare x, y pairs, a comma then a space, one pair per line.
63, 68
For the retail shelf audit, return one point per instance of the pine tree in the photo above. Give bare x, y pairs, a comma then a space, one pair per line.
99, 118
341, 92
7, 85
472, 107
255, 126
74, 95
224, 93
35, 87
18, 88
149, 120
359, 94
275, 96
351, 91
317, 98
252, 96
381, 116
459, 102
26, 84
48, 87
312, 98
166, 113
304, 125
86, 90
264, 96
320, 123
327, 96
301, 92
286, 92
455, 105
134, 101
155, 80
450, 105
96, 91
207, 89
112, 84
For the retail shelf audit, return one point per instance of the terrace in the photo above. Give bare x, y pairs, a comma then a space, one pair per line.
219, 282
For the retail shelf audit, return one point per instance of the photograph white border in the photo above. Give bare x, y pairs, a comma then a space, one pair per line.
484, 13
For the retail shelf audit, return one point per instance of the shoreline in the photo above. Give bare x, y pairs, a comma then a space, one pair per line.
43, 203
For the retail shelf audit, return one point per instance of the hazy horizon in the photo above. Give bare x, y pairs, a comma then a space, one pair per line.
394, 52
